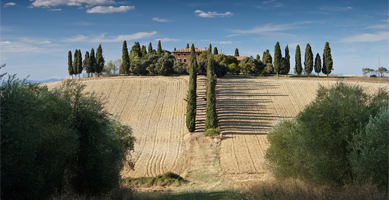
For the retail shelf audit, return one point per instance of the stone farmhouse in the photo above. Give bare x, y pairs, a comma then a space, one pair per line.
183, 55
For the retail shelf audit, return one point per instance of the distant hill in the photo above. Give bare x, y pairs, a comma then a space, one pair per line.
46, 81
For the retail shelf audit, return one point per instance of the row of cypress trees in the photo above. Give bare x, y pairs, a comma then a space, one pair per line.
282, 64
91, 64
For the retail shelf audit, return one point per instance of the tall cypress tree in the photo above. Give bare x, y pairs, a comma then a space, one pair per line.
287, 60
327, 60
191, 100
308, 63
187, 45
70, 64
75, 63
86, 63
298, 68
317, 64
144, 52
150, 49
211, 115
277, 58
236, 52
80, 67
92, 62
126, 59
215, 51
258, 58
159, 48
136, 50
174, 49
99, 60
210, 49
264, 59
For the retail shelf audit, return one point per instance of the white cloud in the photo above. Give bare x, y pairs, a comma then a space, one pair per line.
110, 9
52, 3
102, 38
332, 8
212, 14
272, 3
57, 9
222, 42
269, 28
15, 47
157, 19
367, 37
9, 4
168, 40
34, 41
385, 20
378, 26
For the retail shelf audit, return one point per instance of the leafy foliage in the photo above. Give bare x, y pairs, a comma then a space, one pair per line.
66, 142
316, 145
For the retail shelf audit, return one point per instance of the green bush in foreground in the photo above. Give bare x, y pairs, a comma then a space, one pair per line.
316, 145
58, 141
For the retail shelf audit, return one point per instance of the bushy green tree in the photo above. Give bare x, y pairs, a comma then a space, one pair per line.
191, 99
308, 63
236, 52
316, 145
317, 64
125, 66
92, 61
99, 60
178, 67
250, 65
258, 58
211, 120
215, 51
287, 60
277, 58
268, 68
298, 69
70, 63
66, 142
165, 65
382, 71
327, 60
136, 51
369, 155
233, 68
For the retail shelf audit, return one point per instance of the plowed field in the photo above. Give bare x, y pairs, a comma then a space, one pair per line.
247, 109
155, 109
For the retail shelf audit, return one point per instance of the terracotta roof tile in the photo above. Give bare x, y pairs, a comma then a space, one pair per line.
240, 57
187, 50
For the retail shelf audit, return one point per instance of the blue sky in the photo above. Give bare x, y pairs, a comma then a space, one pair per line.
36, 35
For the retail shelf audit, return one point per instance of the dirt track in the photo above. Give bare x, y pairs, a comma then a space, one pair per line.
247, 109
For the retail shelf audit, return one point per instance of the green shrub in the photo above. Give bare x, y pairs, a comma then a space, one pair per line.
166, 179
212, 132
57, 140
369, 156
316, 146
261, 73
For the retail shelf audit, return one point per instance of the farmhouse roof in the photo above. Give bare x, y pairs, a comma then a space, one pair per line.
240, 58
188, 50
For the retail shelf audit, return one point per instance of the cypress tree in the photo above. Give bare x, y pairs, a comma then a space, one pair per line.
317, 64
144, 52
70, 64
287, 60
150, 49
175, 49
327, 60
211, 115
99, 60
210, 49
215, 51
191, 100
136, 50
258, 58
159, 48
75, 63
264, 59
277, 58
92, 62
269, 58
298, 68
80, 67
187, 45
308, 63
236, 52
86, 63
126, 59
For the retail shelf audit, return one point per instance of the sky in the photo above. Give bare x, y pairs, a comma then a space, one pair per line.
36, 35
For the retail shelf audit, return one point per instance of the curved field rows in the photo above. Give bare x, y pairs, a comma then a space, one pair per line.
247, 109
155, 109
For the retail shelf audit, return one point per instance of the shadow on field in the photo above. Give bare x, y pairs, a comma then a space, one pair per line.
241, 106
